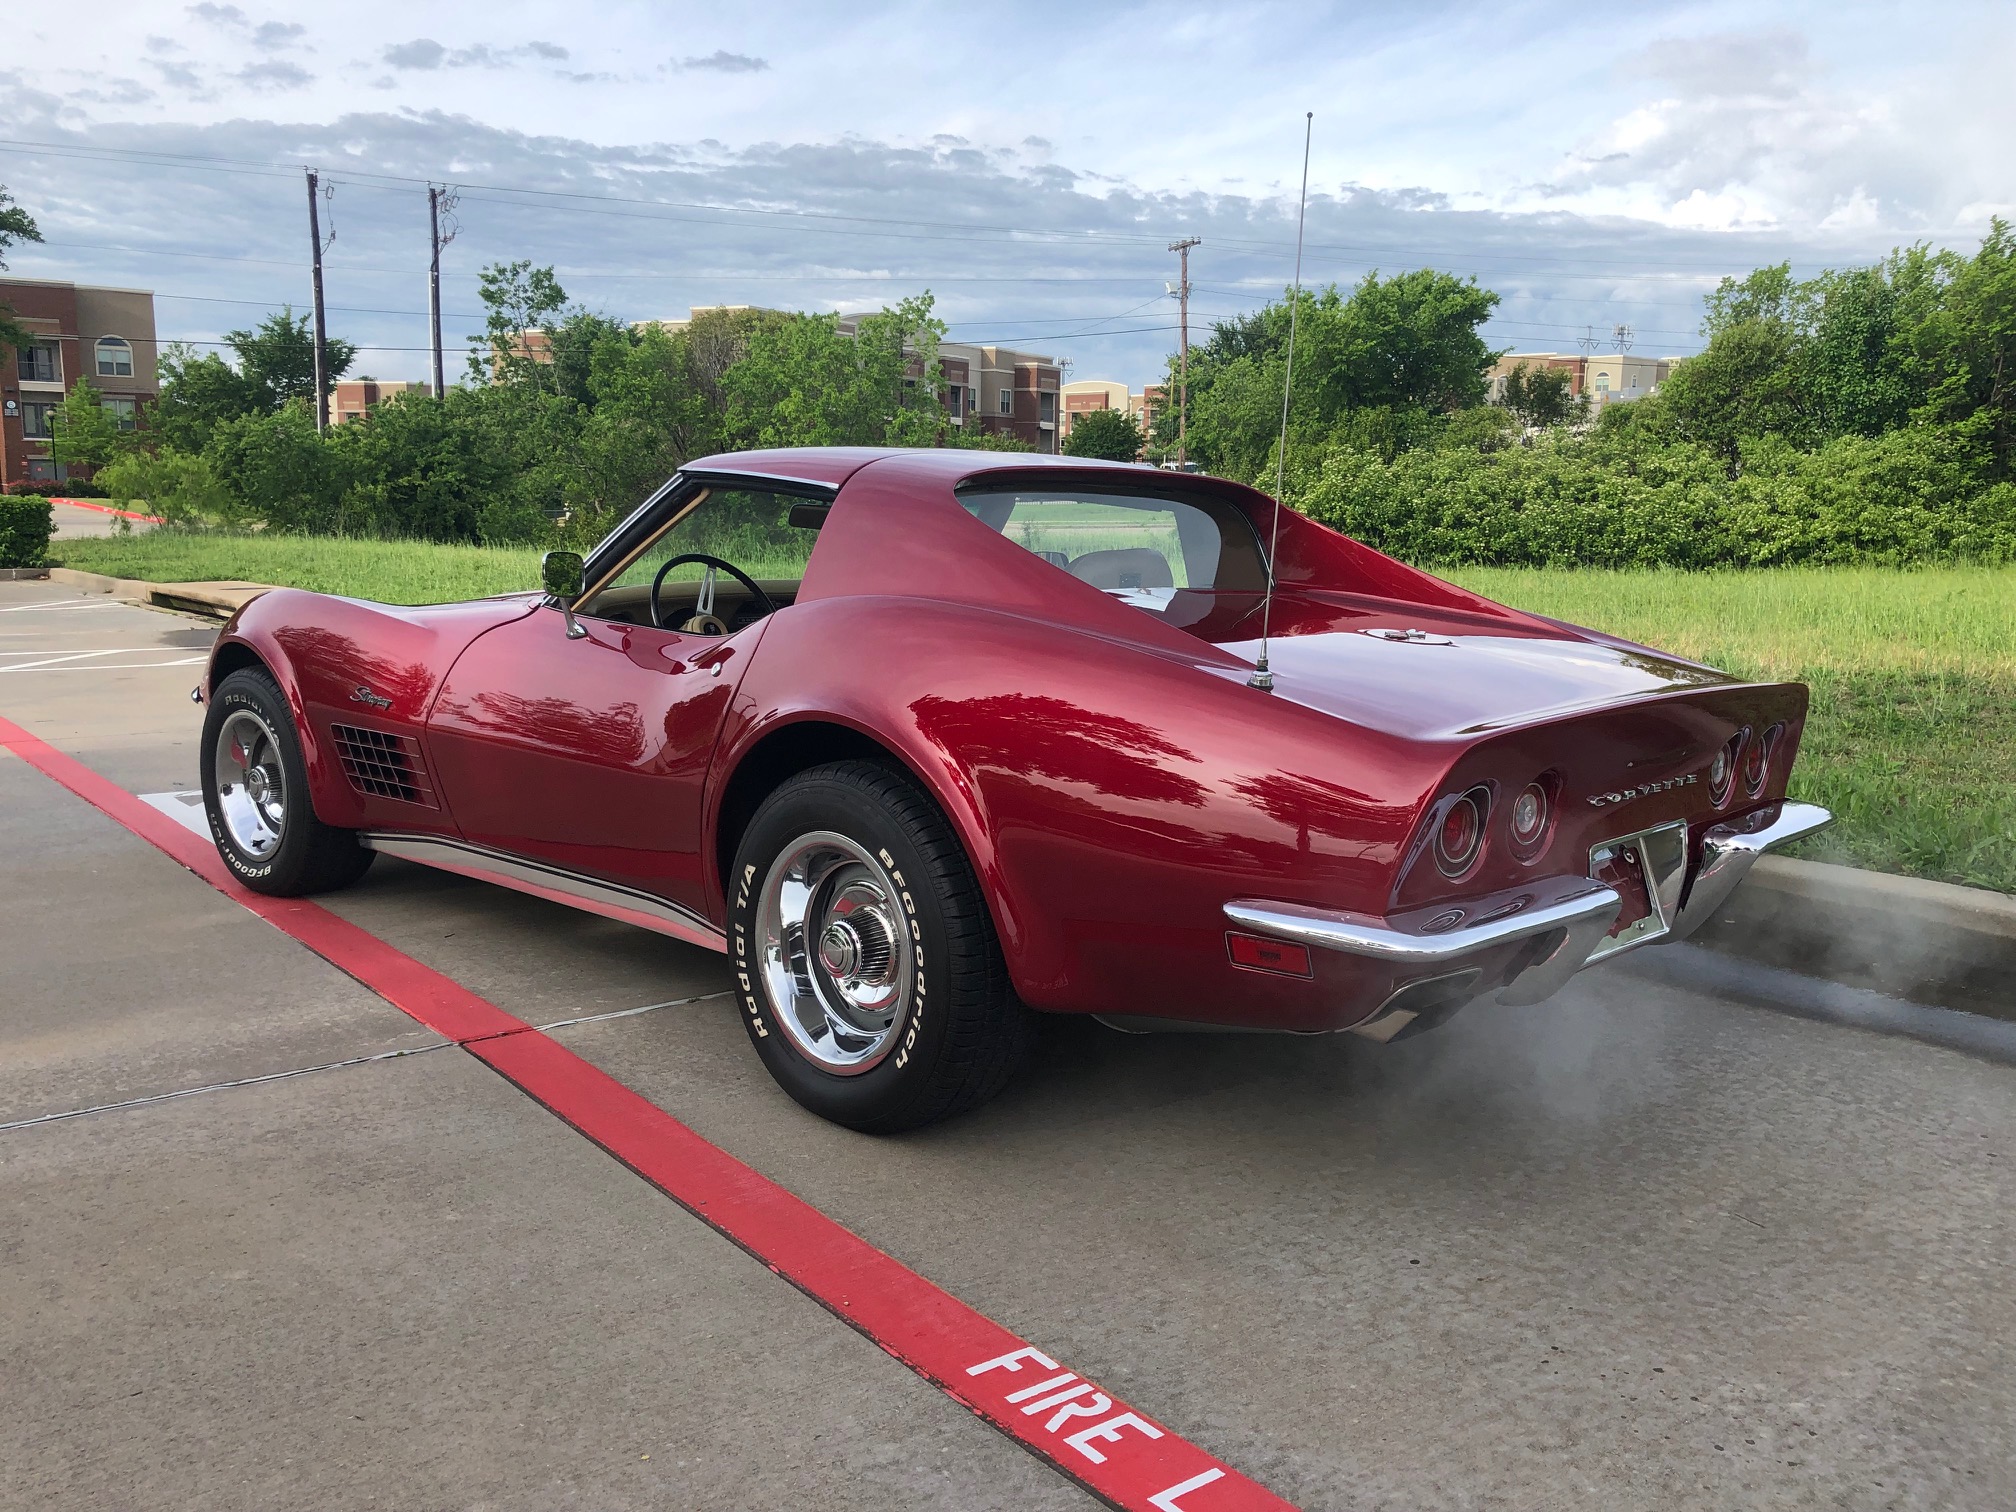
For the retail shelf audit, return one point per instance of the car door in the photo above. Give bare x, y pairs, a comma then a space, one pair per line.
590, 753
587, 749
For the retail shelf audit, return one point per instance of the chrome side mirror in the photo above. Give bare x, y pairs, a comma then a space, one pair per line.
561, 575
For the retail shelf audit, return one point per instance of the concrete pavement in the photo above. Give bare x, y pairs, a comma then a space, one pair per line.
1636, 1247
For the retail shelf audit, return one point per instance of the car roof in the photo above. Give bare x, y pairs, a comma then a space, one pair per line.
832, 466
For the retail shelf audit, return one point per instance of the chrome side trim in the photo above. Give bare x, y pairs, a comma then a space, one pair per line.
608, 899
1728, 851
1577, 902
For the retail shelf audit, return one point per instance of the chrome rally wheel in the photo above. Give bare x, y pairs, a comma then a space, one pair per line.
251, 784
872, 984
836, 952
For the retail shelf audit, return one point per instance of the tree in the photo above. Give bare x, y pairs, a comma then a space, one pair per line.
804, 382
518, 300
1384, 361
82, 432
16, 224
277, 361
275, 365
1540, 397
1967, 349
1111, 434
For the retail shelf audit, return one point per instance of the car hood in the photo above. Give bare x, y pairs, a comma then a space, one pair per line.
1458, 681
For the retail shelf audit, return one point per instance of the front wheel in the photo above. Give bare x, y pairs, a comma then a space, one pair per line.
871, 981
255, 792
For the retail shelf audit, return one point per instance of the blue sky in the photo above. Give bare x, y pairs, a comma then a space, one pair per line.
1027, 164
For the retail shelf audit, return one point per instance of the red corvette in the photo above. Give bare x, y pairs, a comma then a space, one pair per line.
928, 742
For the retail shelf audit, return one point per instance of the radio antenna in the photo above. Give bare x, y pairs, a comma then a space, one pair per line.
1262, 678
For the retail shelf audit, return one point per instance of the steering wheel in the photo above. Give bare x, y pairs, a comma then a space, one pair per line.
704, 620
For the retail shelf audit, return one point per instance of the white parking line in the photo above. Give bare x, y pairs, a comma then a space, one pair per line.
50, 666
186, 809
79, 603
102, 651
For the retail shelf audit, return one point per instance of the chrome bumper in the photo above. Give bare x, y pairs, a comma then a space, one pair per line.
1579, 911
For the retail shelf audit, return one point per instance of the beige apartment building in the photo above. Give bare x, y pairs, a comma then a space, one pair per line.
1605, 377
1087, 394
76, 331
354, 398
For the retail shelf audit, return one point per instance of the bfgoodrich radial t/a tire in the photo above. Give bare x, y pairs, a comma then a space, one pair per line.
870, 978
255, 792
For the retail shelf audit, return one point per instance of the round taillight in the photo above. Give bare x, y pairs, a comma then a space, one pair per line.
1460, 835
1529, 816
1722, 770
1757, 760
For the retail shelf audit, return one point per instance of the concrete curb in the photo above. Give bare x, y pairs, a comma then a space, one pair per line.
23, 574
1927, 942
219, 600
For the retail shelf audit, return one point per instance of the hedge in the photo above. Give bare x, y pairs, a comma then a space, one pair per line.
25, 528
1909, 496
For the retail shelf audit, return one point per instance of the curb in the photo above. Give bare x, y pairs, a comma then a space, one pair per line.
23, 574
218, 600
1926, 942
125, 514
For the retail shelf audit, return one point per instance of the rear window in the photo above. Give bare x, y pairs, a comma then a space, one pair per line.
1144, 548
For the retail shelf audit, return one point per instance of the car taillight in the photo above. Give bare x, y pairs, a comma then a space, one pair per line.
1529, 817
1459, 837
1757, 760
1722, 772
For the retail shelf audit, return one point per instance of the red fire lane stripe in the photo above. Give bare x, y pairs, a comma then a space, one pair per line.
107, 509
1122, 1456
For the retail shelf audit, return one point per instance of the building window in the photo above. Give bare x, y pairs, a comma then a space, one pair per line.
1007, 401
115, 357
952, 402
124, 412
41, 362
35, 419
1047, 407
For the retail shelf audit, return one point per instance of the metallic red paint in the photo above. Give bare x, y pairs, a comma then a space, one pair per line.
1112, 776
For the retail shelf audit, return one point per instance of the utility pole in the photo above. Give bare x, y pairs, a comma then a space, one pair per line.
438, 202
1183, 363
321, 329
1621, 334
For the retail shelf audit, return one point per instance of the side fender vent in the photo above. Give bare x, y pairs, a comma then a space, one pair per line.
383, 765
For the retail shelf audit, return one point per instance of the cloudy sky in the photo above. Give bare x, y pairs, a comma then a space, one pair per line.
1028, 164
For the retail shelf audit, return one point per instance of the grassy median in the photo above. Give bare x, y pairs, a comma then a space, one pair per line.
1912, 740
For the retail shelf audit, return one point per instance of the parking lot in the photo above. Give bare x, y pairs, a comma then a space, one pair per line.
1640, 1246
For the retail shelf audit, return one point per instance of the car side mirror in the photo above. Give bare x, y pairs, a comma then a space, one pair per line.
562, 574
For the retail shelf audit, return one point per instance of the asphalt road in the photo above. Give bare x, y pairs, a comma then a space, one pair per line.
1636, 1247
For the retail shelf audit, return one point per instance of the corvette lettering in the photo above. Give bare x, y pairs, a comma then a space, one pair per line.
363, 695
1625, 795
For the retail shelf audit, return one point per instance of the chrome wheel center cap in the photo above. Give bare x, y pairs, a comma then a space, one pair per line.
839, 949
259, 784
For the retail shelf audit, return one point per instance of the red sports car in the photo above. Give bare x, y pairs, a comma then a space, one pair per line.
932, 741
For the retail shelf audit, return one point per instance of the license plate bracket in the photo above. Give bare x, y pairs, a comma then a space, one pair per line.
1659, 856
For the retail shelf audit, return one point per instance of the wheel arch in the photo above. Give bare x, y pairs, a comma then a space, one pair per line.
798, 745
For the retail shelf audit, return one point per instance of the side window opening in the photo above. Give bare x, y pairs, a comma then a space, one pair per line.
768, 535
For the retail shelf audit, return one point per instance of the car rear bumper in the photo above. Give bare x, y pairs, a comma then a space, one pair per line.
1564, 923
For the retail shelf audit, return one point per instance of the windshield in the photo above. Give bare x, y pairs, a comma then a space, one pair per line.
1142, 547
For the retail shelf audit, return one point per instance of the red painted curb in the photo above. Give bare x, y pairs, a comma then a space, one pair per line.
1123, 1457
107, 509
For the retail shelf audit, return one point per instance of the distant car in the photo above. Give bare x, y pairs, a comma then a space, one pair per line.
925, 741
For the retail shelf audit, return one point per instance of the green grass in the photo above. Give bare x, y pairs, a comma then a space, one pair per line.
1911, 742
392, 572
1912, 736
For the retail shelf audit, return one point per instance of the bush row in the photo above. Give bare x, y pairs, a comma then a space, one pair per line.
1918, 494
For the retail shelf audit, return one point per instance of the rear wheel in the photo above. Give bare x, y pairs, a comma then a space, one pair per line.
871, 981
255, 792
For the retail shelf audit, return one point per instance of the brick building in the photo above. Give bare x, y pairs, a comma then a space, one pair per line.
76, 331
353, 398
1606, 377
1088, 394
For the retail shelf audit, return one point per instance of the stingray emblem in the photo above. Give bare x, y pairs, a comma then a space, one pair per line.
363, 695
1641, 790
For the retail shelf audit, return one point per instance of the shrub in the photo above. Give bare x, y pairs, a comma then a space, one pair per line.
25, 528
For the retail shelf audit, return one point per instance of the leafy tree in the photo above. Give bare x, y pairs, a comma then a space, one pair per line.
1405, 348
180, 487
649, 414
1967, 349
1540, 397
16, 225
804, 382
1112, 434
82, 431
277, 360
283, 473
518, 299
